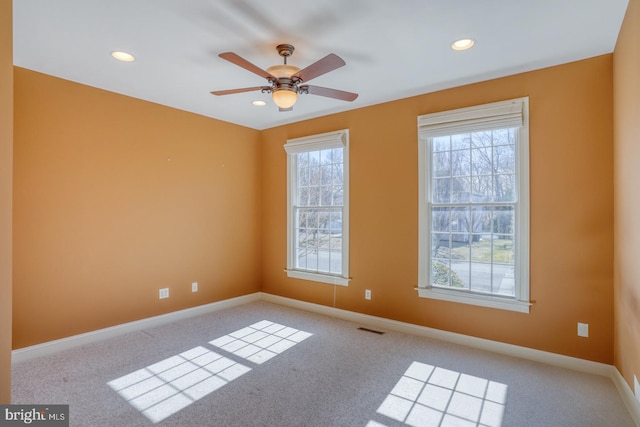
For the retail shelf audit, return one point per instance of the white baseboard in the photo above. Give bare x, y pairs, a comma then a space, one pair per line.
55, 346
630, 401
479, 343
553, 359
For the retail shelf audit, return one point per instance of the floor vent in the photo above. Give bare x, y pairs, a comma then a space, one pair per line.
371, 330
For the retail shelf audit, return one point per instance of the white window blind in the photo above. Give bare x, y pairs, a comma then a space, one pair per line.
506, 114
323, 141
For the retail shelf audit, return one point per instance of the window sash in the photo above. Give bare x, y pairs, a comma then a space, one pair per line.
473, 269
326, 238
318, 248
512, 113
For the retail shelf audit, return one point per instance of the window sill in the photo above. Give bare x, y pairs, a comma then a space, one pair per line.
318, 277
474, 299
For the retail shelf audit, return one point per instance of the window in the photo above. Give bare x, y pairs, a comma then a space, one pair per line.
474, 205
317, 202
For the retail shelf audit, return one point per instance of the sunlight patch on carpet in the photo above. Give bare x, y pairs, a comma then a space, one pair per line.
431, 396
261, 341
166, 387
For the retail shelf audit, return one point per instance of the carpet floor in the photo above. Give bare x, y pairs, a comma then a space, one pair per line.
262, 364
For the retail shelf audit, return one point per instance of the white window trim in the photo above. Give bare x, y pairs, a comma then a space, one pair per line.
509, 113
334, 139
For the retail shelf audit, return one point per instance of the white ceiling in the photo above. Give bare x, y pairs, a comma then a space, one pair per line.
393, 48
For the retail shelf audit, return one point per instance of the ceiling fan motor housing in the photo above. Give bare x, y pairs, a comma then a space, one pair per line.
284, 72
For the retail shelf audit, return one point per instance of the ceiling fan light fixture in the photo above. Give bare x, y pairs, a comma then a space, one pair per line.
284, 98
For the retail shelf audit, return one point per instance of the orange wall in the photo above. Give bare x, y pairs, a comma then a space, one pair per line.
571, 212
6, 147
102, 218
115, 198
627, 200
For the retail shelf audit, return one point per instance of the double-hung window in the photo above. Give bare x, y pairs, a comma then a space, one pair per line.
474, 205
318, 207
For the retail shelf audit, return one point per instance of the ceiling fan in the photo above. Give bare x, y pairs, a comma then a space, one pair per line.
286, 82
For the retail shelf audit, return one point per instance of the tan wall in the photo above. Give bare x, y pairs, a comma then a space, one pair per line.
102, 218
115, 198
571, 212
6, 159
627, 200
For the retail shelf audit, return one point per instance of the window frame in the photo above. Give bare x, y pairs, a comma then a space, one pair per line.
497, 115
335, 139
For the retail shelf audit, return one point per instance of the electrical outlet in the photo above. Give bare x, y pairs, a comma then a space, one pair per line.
194, 287
367, 294
164, 293
583, 329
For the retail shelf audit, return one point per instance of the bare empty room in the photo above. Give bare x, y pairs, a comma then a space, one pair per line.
323, 213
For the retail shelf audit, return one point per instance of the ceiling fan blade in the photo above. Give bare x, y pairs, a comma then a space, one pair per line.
320, 67
330, 93
244, 89
241, 62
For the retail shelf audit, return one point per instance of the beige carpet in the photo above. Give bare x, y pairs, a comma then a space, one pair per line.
262, 364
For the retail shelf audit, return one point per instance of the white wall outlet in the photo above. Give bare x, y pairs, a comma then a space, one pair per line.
164, 293
367, 294
636, 387
194, 287
583, 329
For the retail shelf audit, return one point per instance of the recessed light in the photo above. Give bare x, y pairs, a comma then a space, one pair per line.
462, 44
259, 103
123, 56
